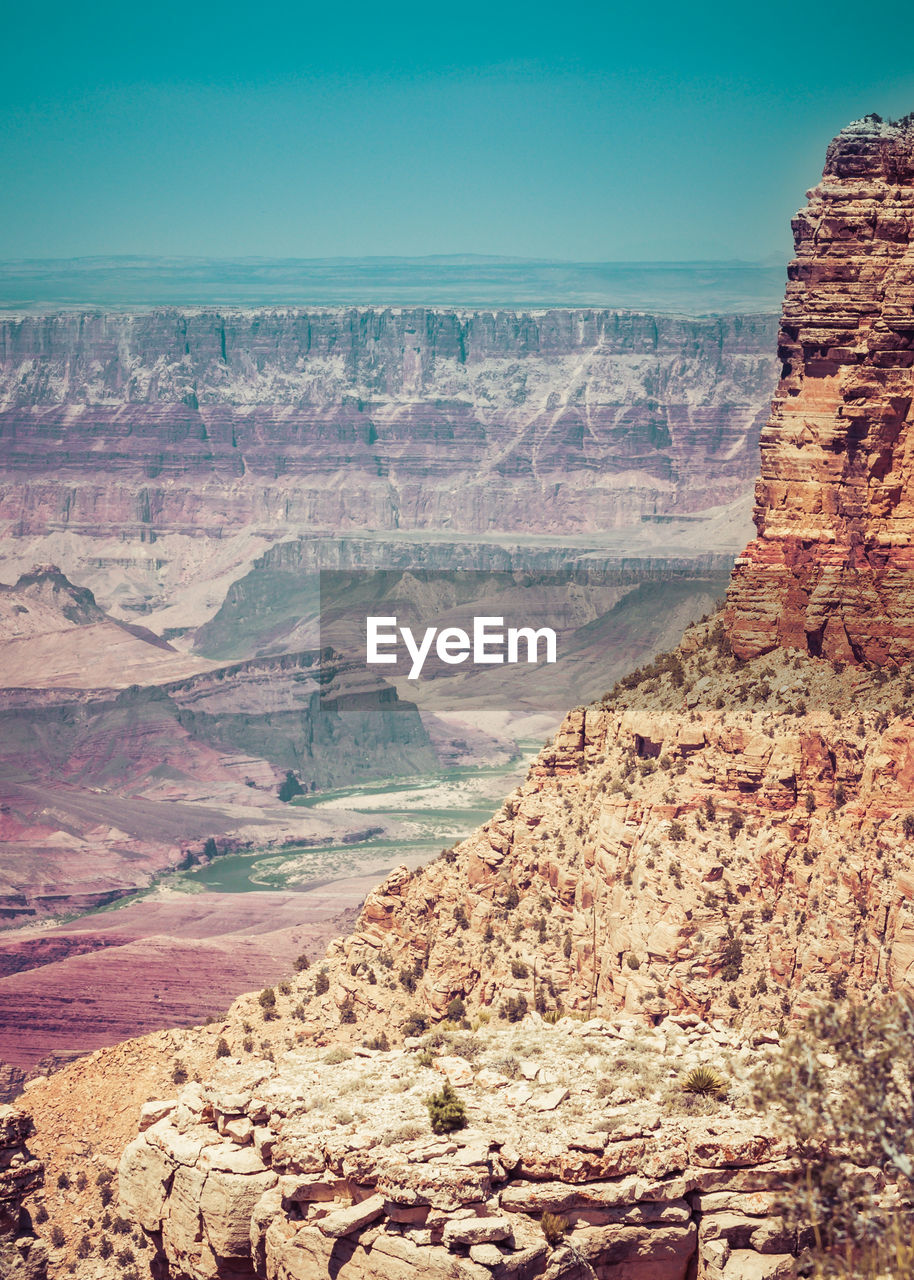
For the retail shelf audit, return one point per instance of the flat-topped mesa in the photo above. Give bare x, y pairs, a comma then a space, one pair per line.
832, 568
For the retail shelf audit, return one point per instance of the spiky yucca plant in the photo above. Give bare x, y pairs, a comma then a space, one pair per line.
706, 1082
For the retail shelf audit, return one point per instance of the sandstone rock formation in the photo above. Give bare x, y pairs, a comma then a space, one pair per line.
326, 1165
723, 837
831, 569
22, 1255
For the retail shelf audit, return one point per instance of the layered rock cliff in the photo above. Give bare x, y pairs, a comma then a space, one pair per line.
831, 569
395, 419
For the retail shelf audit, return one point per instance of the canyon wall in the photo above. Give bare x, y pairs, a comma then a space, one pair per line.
205, 421
831, 568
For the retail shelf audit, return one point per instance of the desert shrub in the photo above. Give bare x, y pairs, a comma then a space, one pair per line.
465, 1046
706, 1082
456, 1009
63, 1182
735, 825
105, 1247
301, 962
460, 916
633, 962
415, 1024
519, 969
333, 1057
58, 1239
405, 1133
407, 980
514, 1008
858, 1100
677, 831
81, 1180
425, 1057
222, 1048
512, 898
321, 983
379, 1041
347, 1010
285, 988
446, 1111
731, 960
554, 1227
84, 1246
566, 946
41, 1214
125, 1256
247, 1044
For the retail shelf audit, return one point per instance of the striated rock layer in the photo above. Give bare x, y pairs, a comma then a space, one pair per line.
211, 422
831, 568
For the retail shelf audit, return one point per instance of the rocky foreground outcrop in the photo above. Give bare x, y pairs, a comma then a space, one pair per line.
831, 569
582, 1156
22, 1255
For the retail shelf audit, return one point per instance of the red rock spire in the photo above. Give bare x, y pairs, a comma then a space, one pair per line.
832, 568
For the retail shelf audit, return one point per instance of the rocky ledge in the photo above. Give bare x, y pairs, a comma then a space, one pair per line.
582, 1155
22, 1255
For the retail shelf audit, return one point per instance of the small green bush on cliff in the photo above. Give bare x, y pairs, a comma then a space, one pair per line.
446, 1111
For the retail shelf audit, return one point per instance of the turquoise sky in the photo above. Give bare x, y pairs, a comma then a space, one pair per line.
580, 131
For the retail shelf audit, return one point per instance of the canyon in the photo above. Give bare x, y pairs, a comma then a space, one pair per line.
174, 483
698, 859
716, 846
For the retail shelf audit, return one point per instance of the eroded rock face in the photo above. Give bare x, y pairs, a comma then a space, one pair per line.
22, 1255
831, 569
392, 419
319, 1166
719, 837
